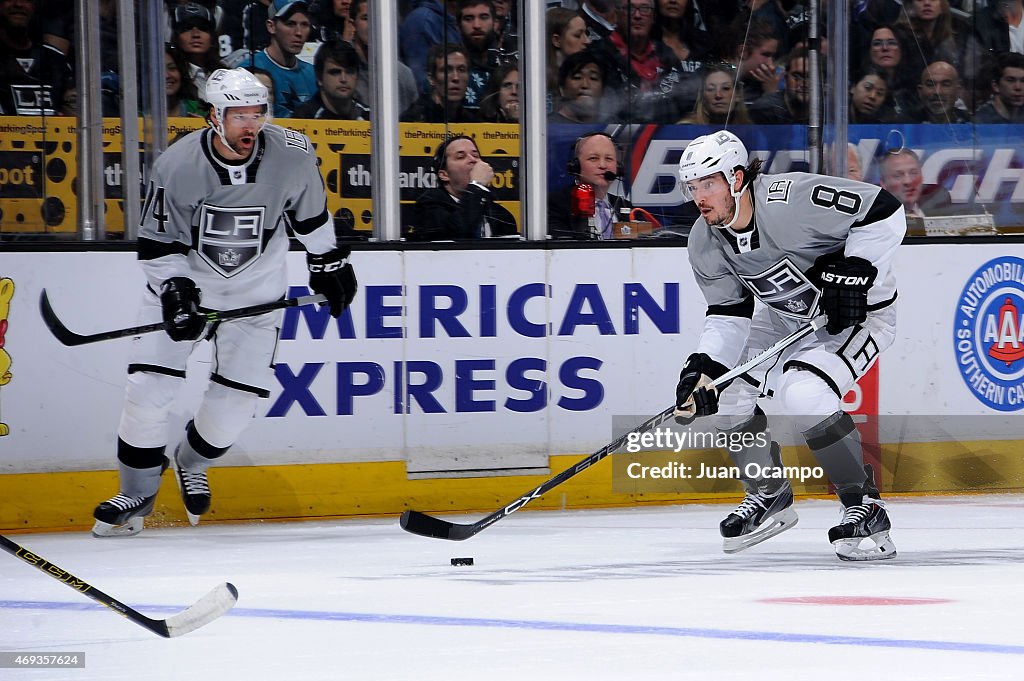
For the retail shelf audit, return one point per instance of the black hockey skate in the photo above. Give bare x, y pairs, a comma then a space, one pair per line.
122, 515
195, 490
863, 532
764, 513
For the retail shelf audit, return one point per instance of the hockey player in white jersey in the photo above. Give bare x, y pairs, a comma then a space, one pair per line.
798, 245
213, 236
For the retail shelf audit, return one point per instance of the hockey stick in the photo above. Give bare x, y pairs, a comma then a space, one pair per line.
69, 337
429, 526
208, 608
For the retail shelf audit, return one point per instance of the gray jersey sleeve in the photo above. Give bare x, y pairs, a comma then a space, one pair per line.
307, 208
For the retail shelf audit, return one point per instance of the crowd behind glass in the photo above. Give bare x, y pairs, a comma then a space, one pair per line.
722, 63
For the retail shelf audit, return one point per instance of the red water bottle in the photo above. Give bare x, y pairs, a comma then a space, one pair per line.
583, 202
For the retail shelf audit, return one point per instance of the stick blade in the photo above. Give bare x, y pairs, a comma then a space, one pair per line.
435, 528
57, 328
208, 608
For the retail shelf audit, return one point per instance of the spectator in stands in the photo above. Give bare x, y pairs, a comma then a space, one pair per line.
581, 80
869, 98
234, 27
333, 20
902, 177
866, 16
505, 26
32, 75
600, 17
792, 104
431, 22
448, 79
336, 65
675, 25
771, 13
246, 30
476, 25
194, 34
294, 79
754, 50
886, 52
566, 35
643, 73
595, 161
1007, 102
182, 99
1000, 27
721, 98
501, 99
937, 97
359, 17
461, 206
938, 36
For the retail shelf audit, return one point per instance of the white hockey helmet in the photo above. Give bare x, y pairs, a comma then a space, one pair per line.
719, 152
226, 88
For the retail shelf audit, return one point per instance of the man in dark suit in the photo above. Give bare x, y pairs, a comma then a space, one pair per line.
461, 206
594, 161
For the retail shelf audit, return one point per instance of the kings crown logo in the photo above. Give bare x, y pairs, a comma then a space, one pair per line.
229, 258
988, 334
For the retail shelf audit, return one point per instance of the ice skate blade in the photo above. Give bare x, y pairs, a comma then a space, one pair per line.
129, 529
881, 548
778, 523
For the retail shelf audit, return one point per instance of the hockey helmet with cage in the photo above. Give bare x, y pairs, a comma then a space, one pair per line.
227, 88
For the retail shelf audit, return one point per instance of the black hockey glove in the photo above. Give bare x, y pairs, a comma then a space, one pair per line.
844, 291
331, 275
180, 300
695, 396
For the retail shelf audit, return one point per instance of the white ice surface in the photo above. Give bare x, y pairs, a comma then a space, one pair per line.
628, 594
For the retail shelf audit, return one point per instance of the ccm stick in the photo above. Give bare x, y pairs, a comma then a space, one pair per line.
208, 608
429, 526
69, 337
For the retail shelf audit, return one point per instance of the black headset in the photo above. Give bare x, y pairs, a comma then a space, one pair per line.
440, 160
573, 166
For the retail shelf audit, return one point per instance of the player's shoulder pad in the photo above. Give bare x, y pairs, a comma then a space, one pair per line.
287, 138
182, 152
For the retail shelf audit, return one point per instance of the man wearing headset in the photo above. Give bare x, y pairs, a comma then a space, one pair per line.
461, 206
595, 162
799, 245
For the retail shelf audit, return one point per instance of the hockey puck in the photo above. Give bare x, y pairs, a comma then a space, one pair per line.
462, 561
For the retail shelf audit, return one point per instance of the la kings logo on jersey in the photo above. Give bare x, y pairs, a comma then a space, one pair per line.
785, 289
230, 239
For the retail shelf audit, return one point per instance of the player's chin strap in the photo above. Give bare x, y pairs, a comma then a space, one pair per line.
738, 198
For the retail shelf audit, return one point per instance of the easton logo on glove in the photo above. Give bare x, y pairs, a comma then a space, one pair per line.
844, 290
845, 279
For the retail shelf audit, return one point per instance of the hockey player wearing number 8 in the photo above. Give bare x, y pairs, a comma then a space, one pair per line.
214, 235
799, 245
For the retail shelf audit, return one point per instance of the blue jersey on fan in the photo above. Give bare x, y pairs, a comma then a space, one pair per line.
292, 86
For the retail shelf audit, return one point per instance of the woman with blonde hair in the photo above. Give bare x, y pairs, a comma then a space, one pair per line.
720, 100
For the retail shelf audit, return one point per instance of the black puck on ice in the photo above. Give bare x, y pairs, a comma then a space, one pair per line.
462, 561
